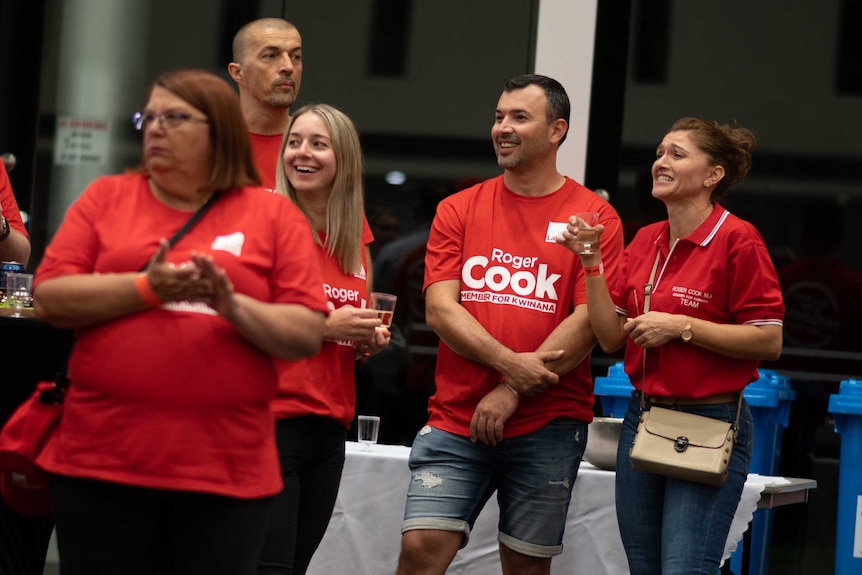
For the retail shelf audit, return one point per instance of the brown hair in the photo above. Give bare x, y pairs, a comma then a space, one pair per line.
559, 106
231, 164
726, 146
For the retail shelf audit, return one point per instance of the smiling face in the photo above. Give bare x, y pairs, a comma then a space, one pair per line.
309, 158
184, 149
681, 169
521, 132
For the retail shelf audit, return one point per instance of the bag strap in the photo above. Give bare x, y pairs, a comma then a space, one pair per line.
648, 286
61, 381
647, 293
194, 219
190, 223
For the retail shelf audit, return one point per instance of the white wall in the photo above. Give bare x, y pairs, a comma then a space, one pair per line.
564, 51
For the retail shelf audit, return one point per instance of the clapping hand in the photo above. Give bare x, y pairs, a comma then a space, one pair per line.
173, 282
213, 286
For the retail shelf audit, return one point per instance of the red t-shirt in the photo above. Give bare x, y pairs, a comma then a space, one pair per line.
520, 285
265, 149
8, 203
174, 397
325, 385
721, 273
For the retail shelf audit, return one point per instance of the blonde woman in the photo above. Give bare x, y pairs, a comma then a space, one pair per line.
321, 171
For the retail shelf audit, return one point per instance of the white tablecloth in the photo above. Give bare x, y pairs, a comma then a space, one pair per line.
364, 534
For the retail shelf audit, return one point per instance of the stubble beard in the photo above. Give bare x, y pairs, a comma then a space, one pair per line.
281, 100
511, 161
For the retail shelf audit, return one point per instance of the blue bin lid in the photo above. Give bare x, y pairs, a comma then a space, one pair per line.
617, 371
848, 399
769, 390
616, 383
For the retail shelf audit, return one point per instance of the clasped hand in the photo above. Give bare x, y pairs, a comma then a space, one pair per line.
527, 374
653, 328
197, 280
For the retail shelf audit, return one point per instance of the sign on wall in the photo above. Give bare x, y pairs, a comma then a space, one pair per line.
81, 141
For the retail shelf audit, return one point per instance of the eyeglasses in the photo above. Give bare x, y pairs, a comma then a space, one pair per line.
170, 120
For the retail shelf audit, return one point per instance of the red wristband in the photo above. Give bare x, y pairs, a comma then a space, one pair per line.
146, 291
593, 271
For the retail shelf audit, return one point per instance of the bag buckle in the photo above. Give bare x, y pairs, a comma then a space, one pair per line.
680, 444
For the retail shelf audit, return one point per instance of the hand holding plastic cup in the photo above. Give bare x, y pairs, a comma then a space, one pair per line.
384, 303
587, 234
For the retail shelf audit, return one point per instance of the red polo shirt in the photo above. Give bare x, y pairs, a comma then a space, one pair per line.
721, 273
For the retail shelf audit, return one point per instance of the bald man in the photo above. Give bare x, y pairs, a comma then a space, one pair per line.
267, 68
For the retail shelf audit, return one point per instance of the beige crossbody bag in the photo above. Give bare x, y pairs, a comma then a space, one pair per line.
682, 445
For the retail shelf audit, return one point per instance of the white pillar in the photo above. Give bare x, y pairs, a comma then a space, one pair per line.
101, 54
564, 51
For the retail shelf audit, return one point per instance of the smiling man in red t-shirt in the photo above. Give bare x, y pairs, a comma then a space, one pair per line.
514, 389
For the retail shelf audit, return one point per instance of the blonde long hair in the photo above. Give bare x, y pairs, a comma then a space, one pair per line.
345, 208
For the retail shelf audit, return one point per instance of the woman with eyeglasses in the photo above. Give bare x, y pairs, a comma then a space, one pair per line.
715, 311
165, 459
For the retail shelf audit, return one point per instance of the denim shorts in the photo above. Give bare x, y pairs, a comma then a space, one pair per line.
452, 478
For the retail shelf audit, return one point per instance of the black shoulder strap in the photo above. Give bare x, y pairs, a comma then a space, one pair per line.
194, 219
61, 380
190, 223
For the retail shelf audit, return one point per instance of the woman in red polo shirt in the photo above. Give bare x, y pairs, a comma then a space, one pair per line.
715, 312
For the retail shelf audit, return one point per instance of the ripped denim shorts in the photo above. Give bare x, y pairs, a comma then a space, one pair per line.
452, 478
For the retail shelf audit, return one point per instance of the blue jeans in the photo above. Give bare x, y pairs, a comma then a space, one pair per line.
670, 526
533, 474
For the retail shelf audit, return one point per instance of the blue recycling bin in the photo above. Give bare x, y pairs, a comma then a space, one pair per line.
769, 399
846, 409
614, 391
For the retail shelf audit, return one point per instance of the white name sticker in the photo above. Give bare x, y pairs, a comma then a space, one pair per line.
555, 229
